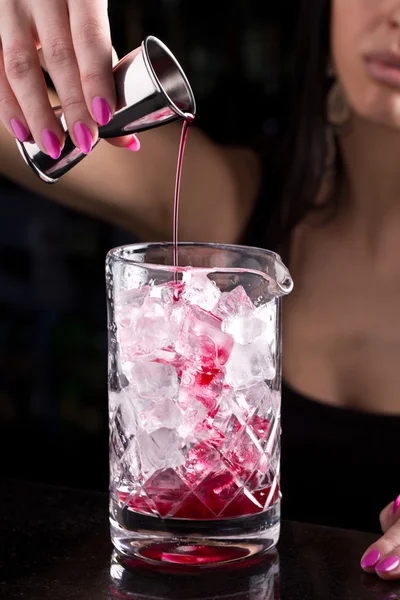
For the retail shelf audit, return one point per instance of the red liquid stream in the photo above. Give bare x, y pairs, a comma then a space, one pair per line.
182, 144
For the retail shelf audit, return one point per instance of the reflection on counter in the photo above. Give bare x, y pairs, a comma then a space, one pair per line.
253, 579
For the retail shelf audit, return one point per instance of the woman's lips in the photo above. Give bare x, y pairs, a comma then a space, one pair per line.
384, 67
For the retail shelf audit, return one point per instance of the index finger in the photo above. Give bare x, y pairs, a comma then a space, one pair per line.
91, 37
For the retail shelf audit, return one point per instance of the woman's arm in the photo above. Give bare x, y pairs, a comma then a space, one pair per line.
135, 190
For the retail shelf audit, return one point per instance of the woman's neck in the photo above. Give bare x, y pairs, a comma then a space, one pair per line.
371, 155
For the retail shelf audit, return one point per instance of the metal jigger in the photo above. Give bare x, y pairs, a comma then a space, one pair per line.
152, 90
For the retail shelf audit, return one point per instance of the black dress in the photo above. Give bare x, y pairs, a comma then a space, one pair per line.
339, 467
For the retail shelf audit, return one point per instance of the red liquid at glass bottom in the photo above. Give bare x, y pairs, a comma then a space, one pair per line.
207, 506
194, 510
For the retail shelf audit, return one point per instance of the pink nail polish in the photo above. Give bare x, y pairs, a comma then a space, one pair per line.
388, 564
83, 137
20, 131
101, 110
134, 145
396, 505
51, 143
370, 559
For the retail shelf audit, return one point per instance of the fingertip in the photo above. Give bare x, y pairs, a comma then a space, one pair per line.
128, 142
101, 111
134, 144
20, 131
370, 558
388, 568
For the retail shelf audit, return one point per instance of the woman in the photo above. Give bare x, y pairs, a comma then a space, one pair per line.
336, 223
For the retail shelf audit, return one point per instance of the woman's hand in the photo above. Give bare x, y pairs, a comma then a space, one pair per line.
74, 36
383, 557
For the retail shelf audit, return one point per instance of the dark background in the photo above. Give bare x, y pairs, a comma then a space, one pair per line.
53, 346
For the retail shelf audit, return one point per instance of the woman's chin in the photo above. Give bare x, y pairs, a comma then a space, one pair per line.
381, 108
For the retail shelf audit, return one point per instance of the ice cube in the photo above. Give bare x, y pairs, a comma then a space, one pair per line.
152, 330
243, 454
257, 398
128, 412
234, 304
199, 461
267, 314
127, 343
194, 414
127, 304
133, 297
244, 329
153, 380
160, 449
238, 314
127, 310
249, 364
203, 387
199, 290
202, 342
161, 413
244, 403
199, 396
166, 490
153, 327
168, 356
238, 408
169, 293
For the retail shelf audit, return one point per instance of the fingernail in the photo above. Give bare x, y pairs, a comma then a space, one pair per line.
19, 129
396, 505
134, 144
51, 143
101, 110
388, 564
370, 559
83, 137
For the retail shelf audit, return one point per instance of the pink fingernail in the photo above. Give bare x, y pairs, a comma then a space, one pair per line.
134, 145
101, 110
83, 137
370, 559
19, 129
388, 564
396, 505
51, 143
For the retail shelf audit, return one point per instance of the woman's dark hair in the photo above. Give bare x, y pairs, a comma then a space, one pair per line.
294, 179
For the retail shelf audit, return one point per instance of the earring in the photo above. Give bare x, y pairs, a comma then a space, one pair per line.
338, 108
338, 115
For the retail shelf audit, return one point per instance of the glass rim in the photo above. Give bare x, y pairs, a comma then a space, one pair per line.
140, 246
284, 284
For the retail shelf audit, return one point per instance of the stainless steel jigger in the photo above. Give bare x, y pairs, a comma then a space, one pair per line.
152, 90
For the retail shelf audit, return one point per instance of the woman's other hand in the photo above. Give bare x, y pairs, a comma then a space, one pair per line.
383, 557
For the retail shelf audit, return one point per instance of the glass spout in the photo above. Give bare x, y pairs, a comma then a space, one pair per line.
284, 281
